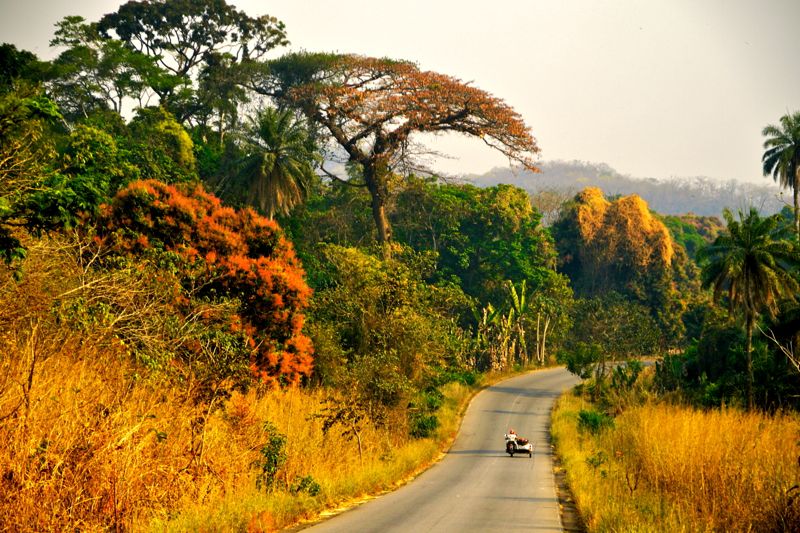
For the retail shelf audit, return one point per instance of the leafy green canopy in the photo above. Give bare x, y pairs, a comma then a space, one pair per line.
95, 73
14, 64
483, 237
190, 40
693, 231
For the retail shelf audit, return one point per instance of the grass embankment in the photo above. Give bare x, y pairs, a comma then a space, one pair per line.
89, 445
389, 459
669, 468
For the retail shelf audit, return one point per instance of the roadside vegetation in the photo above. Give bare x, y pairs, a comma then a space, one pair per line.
706, 439
100, 443
664, 467
201, 324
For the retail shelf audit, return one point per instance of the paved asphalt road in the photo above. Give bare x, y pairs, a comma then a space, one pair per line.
477, 486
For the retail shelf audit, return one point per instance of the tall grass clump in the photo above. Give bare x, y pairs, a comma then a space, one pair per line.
89, 444
671, 468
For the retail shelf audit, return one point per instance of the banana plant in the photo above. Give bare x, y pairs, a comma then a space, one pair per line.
519, 312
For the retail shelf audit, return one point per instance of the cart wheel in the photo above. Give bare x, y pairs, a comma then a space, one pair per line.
530, 454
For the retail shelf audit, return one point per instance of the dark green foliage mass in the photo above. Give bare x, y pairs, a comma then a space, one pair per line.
187, 37
753, 266
15, 64
693, 232
483, 237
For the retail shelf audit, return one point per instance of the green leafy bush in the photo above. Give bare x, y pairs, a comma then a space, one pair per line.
423, 425
593, 421
306, 484
273, 457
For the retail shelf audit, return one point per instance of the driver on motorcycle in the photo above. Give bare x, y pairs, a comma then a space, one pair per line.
513, 434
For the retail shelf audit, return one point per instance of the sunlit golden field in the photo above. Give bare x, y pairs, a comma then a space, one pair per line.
89, 447
670, 468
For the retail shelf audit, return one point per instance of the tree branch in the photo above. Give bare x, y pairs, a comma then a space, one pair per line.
340, 180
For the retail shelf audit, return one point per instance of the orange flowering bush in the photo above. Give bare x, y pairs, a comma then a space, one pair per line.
220, 252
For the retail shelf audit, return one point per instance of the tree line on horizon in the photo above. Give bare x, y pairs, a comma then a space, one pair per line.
701, 196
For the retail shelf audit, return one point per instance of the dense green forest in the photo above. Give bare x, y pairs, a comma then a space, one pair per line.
171, 227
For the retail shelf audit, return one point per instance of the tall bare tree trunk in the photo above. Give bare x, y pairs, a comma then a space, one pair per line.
381, 220
544, 339
542, 326
375, 179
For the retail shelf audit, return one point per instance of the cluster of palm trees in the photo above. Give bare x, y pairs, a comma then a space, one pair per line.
754, 264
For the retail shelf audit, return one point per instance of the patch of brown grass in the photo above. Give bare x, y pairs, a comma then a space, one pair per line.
673, 468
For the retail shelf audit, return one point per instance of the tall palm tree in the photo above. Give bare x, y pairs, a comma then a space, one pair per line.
782, 157
278, 167
752, 263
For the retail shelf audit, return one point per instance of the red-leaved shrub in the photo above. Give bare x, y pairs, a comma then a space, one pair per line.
223, 253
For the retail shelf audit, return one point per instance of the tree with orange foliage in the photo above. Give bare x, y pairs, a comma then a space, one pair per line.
371, 108
606, 245
621, 246
223, 252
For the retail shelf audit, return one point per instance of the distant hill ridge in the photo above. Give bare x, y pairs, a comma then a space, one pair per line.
698, 195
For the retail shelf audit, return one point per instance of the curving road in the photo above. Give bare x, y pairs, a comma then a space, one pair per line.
478, 487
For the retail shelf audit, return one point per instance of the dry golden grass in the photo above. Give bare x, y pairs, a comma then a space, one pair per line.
669, 468
89, 445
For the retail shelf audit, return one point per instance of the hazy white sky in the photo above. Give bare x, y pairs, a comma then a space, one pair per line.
654, 88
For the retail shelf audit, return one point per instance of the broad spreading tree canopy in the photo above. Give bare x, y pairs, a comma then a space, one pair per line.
182, 34
193, 40
372, 108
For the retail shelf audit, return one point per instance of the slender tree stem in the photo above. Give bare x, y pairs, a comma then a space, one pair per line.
750, 325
